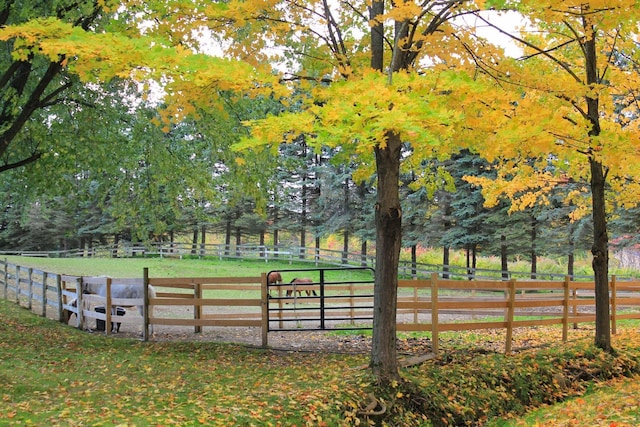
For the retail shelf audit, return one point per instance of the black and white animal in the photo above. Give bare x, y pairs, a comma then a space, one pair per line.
66, 314
118, 290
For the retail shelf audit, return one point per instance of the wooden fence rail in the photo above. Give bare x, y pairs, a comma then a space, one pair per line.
432, 306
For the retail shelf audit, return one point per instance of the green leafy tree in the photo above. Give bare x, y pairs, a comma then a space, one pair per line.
32, 84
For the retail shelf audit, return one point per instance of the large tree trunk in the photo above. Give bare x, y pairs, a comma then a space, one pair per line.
600, 263
388, 218
600, 248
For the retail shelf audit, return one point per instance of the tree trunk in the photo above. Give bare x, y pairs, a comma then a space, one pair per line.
345, 247
388, 218
600, 263
414, 261
203, 235
275, 242
534, 253
504, 261
303, 220
238, 241
571, 255
445, 262
600, 248
194, 241
363, 254
227, 238
275, 231
570, 264
116, 241
262, 248
377, 35
474, 258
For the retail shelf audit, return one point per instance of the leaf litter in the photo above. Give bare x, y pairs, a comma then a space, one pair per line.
56, 375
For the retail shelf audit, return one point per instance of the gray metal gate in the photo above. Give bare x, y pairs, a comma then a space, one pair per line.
327, 299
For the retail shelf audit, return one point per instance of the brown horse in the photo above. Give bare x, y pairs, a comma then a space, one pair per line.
274, 277
304, 282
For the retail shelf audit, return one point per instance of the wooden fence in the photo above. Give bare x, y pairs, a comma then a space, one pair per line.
432, 306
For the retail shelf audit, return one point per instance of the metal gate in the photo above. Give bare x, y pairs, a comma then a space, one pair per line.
320, 299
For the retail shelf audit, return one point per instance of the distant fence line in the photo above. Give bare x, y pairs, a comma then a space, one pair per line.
312, 255
431, 305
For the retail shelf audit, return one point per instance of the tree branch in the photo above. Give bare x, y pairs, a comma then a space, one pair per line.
539, 50
32, 158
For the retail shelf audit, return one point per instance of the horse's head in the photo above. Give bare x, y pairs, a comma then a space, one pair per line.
274, 277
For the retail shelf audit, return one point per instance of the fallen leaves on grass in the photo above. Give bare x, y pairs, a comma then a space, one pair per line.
54, 375
106, 381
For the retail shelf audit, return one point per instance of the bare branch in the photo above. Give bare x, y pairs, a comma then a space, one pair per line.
538, 49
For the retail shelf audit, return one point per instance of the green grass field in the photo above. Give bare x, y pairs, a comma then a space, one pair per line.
55, 375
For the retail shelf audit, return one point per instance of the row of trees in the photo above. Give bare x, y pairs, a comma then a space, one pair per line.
130, 126
313, 199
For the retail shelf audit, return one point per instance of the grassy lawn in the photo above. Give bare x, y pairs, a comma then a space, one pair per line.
158, 267
56, 375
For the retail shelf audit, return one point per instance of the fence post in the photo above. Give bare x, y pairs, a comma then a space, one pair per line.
44, 294
415, 307
510, 312
197, 307
80, 299
6, 278
145, 312
30, 288
565, 309
60, 302
17, 280
574, 295
352, 310
434, 313
614, 305
107, 308
264, 304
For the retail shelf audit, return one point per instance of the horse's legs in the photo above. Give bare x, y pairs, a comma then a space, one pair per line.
141, 310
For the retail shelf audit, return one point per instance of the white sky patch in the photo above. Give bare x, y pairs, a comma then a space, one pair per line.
511, 22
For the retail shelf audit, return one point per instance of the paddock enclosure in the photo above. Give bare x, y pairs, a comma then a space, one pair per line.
343, 300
